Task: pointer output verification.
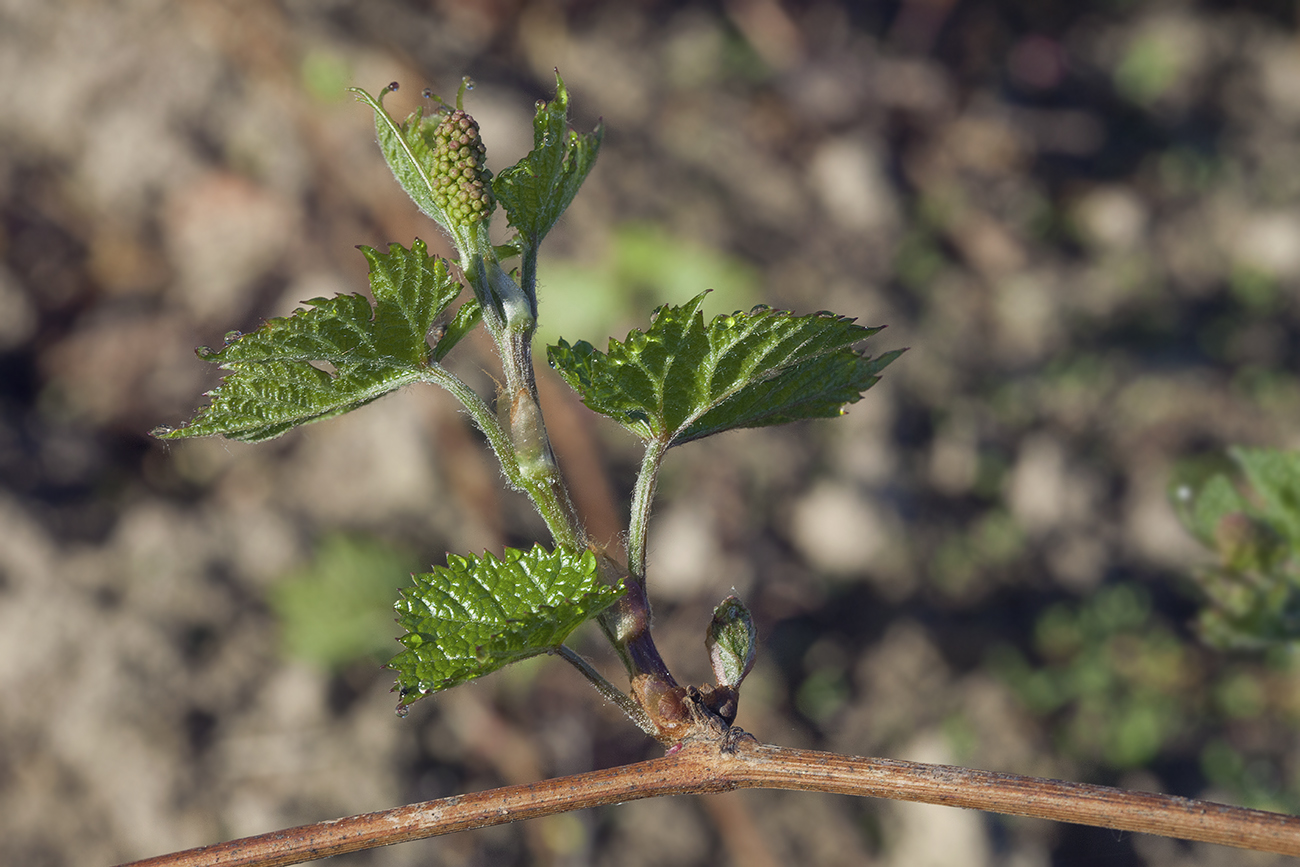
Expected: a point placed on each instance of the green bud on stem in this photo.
(731, 642)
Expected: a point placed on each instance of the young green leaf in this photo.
(536, 190)
(1275, 475)
(478, 614)
(275, 383)
(682, 379)
(468, 316)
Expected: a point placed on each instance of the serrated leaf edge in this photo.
(637, 423)
(466, 566)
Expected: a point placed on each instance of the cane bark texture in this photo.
(737, 761)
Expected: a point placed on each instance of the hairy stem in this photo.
(528, 273)
(626, 624)
(642, 498)
(607, 689)
(484, 419)
(510, 316)
(532, 446)
(518, 434)
(547, 491)
(727, 762)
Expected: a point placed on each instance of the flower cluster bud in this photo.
(460, 173)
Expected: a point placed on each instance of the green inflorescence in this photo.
(461, 179)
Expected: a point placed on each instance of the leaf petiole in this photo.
(647, 481)
(608, 690)
(483, 418)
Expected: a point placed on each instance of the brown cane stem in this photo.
(727, 762)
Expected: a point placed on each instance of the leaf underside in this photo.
(478, 614)
(683, 379)
(339, 355)
(409, 151)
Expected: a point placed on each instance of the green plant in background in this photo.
(1246, 512)
(1114, 676)
(1249, 517)
(642, 265)
(678, 379)
(339, 608)
(1256, 781)
(1118, 685)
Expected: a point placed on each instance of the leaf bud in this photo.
(731, 642)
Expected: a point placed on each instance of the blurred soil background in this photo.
(1084, 219)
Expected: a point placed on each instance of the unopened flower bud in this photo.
(462, 187)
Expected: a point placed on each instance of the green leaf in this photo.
(536, 190)
(468, 316)
(1275, 475)
(278, 379)
(479, 614)
(1202, 510)
(682, 379)
(408, 151)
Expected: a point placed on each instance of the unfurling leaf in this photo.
(683, 379)
(277, 381)
(478, 614)
(536, 190)
(439, 160)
